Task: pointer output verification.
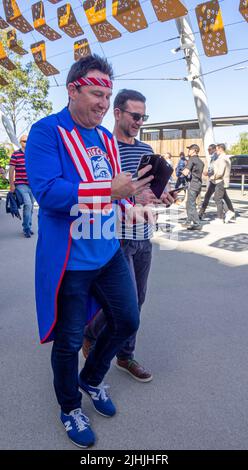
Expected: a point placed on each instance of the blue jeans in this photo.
(138, 254)
(28, 200)
(113, 287)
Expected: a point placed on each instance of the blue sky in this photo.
(166, 100)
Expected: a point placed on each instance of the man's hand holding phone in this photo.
(168, 198)
(146, 197)
(124, 185)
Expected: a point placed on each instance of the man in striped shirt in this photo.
(129, 112)
(18, 179)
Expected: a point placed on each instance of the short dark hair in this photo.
(85, 64)
(212, 146)
(222, 146)
(124, 95)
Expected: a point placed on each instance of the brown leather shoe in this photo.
(133, 368)
(86, 347)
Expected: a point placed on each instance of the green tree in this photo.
(4, 161)
(4, 157)
(241, 147)
(25, 98)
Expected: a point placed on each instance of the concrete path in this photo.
(227, 243)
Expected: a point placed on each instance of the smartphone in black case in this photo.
(175, 191)
(161, 170)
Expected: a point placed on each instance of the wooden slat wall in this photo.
(175, 146)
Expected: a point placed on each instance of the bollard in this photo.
(242, 184)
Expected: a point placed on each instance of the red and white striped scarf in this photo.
(96, 195)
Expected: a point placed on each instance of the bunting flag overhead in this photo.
(129, 14)
(4, 60)
(168, 9)
(39, 53)
(13, 44)
(211, 27)
(14, 16)
(40, 25)
(81, 49)
(67, 21)
(97, 17)
(243, 8)
(3, 23)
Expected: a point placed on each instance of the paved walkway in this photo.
(193, 336)
(227, 243)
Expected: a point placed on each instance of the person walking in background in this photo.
(219, 175)
(181, 179)
(74, 170)
(130, 113)
(193, 171)
(221, 152)
(168, 158)
(18, 179)
(211, 186)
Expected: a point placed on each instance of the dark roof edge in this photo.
(187, 124)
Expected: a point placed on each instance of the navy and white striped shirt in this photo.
(130, 156)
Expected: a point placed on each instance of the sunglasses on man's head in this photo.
(136, 116)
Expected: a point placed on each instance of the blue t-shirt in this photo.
(93, 240)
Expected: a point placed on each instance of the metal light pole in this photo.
(197, 84)
(7, 126)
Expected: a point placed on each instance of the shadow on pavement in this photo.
(185, 235)
(238, 242)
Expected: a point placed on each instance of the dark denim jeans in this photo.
(181, 181)
(210, 191)
(228, 201)
(222, 193)
(28, 205)
(138, 254)
(218, 197)
(113, 287)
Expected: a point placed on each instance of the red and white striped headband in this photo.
(87, 81)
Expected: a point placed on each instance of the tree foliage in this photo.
(4, 157)
(25, 98)
(241, 147)
(4, 161)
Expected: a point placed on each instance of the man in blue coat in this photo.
(74, 171)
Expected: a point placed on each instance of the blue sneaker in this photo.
(78, 428)
(27, 233)
(101, 401)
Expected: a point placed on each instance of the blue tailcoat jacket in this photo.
(55, 183)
